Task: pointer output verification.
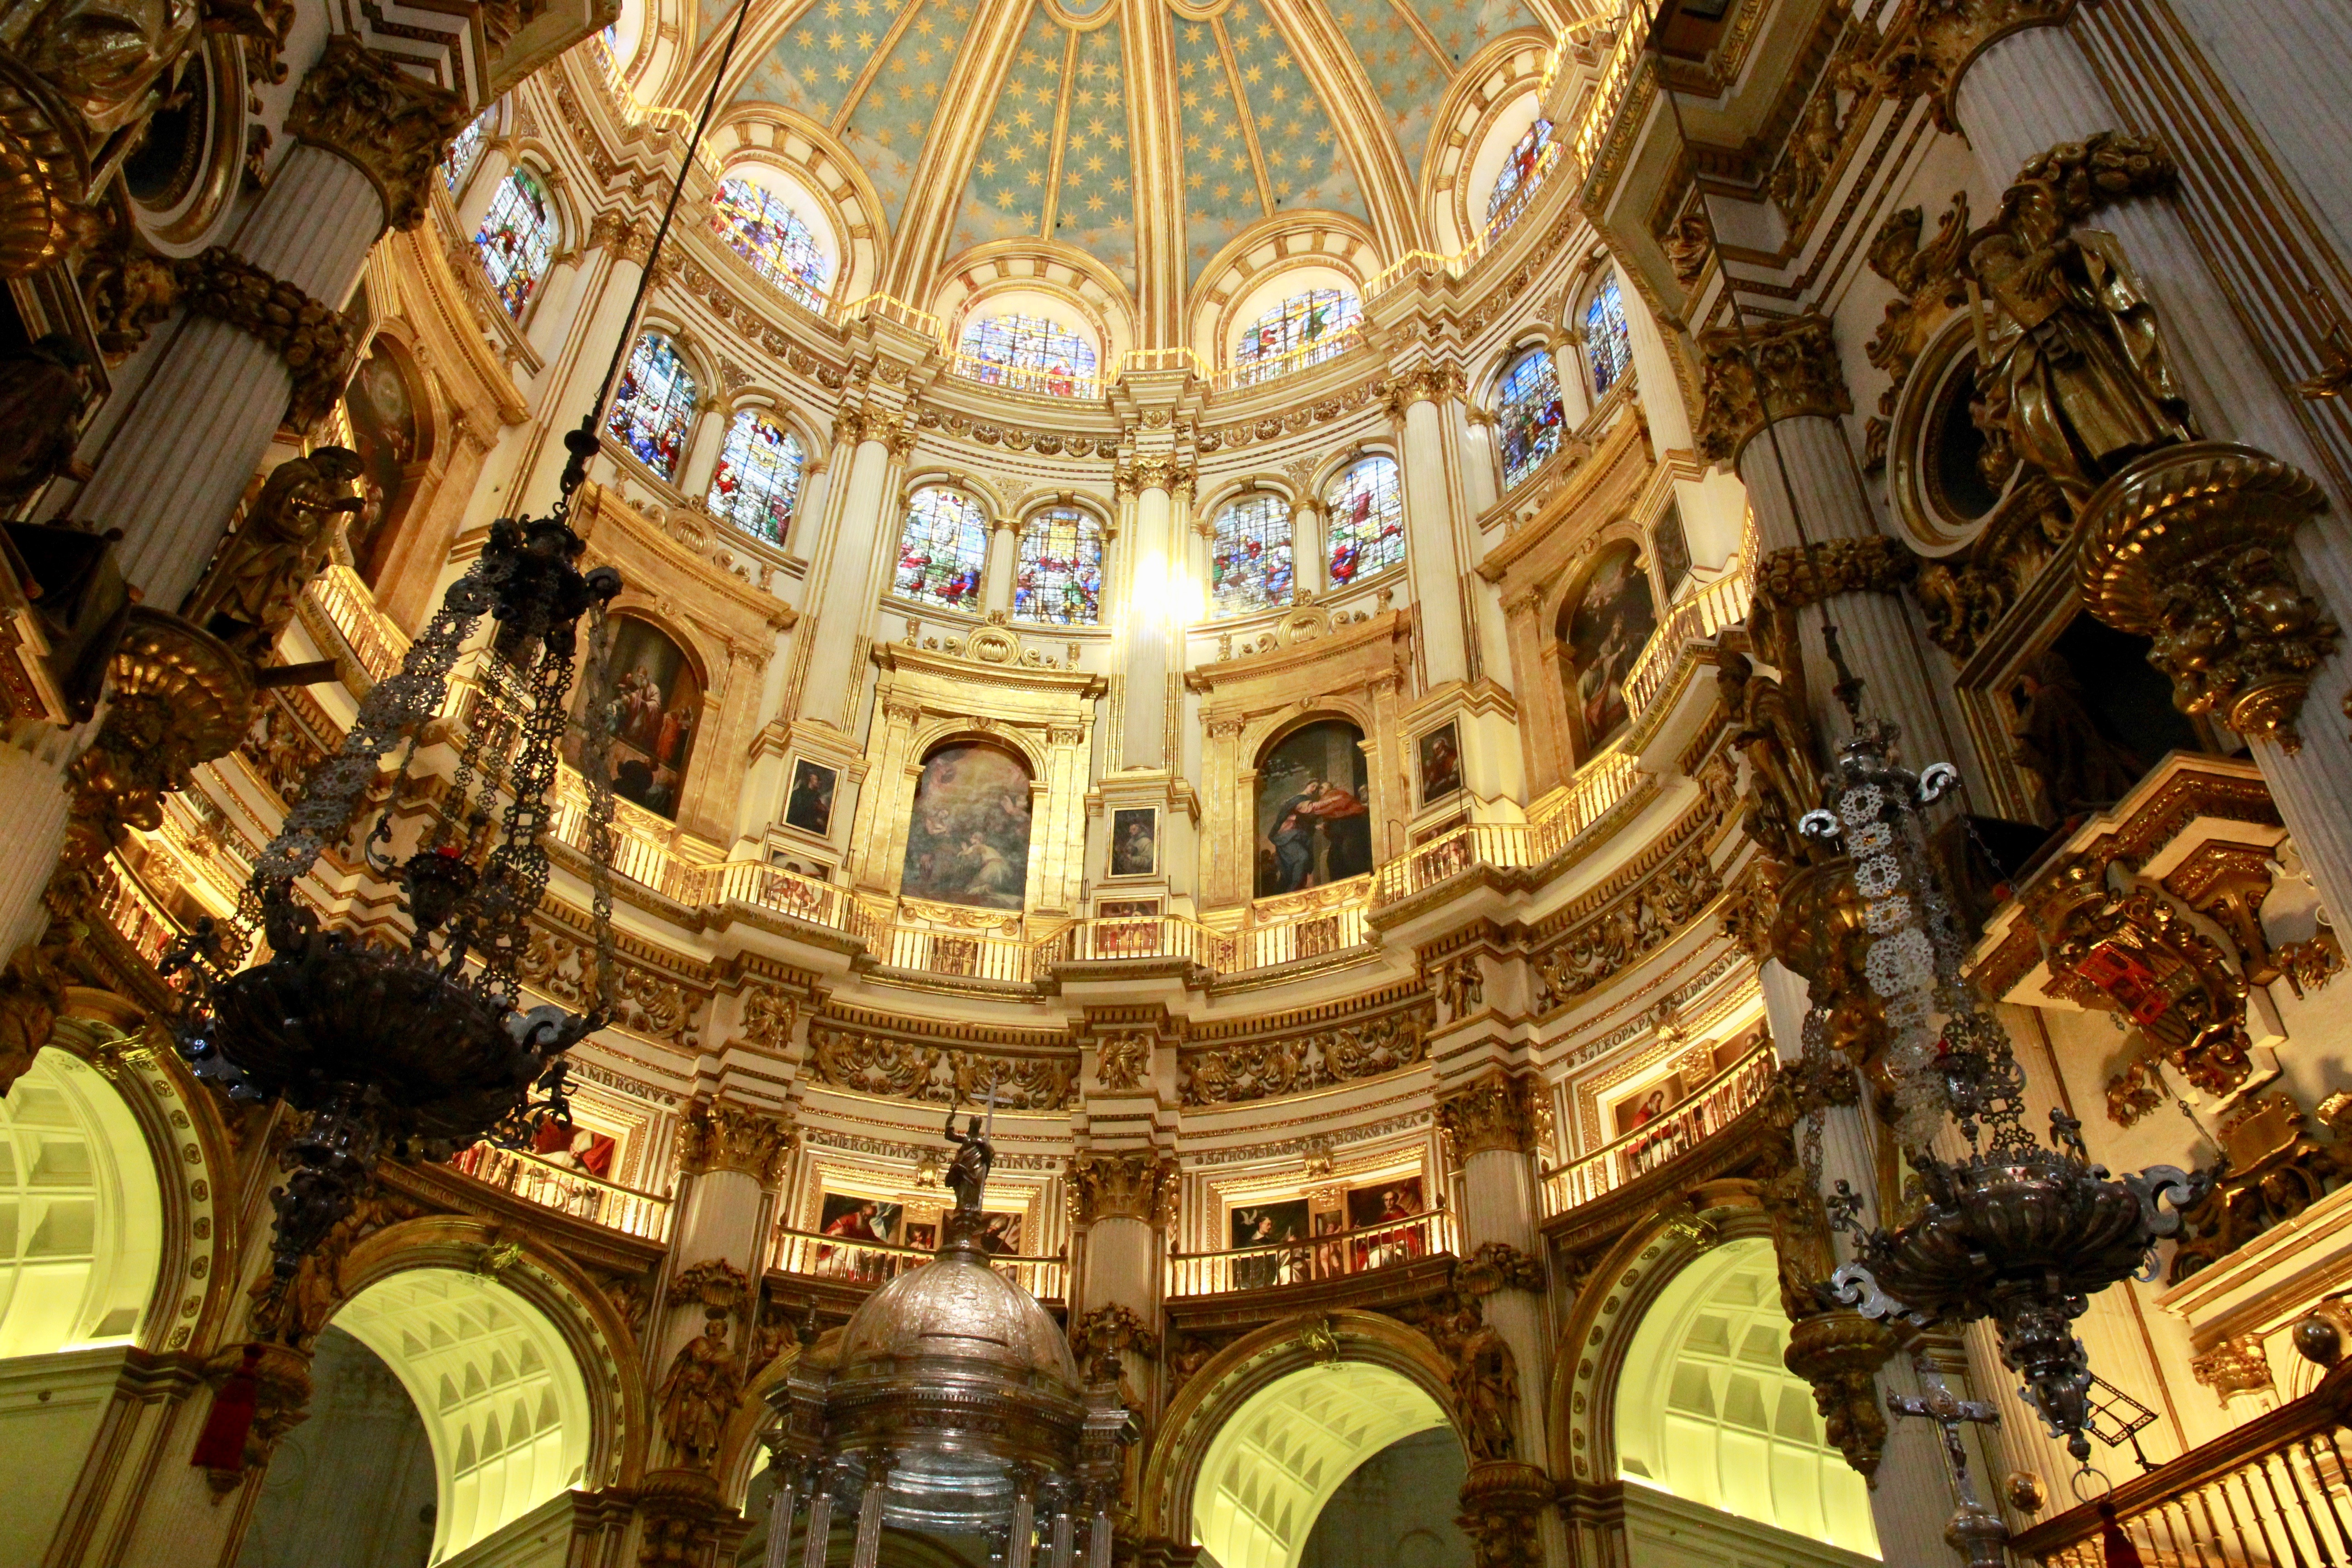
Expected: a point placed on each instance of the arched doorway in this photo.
(1280, 1458)
(1707, 1415)
(489, 1380)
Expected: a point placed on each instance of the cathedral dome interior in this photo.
(1597, 750)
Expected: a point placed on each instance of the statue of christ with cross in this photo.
(975, 1156)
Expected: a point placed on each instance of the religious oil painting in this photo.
(850, 1218)
(969, 840)
(1000, 1234)
(1134, 841)
(383, 433)
(1268, 1225)
(809, 806)
(1441, 763)
(1380, 1221)
(1611, 625)
(1314, 825)
(652, 720)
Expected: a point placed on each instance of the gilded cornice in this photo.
(1782, 369)
(1358, 654)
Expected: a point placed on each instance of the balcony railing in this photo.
(1697, 618)
(567, 1192)
(1297, 927)
(1152, 936)
(820, 1257)
(1335, 1255)
(1607, 782)
(951, 954)
(344, 600)
(1617, 80)
(2269, 1494)
(1044, 381)
(1273, 367)
(1718, 1102)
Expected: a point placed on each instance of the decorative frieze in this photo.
(1136, 1185)
(1316, 1058)
(903, 1069)
(645, 1001)
(1637, 922)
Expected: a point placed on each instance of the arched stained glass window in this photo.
(758, 477)
(1060, 576)
(654, 405)
(466, 150)
(517, 237)
(1366, 531)
(772, 238)
(1249, 561)
(943, 550)
(1028, 354)
(1530, 416)
(1305, 328)
(1522, 172)
(1608, 340)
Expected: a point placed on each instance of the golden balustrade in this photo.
(566, 1190)
(1274, 367)
(1695, 618)
(1302, 1260)
(1716, 1103)
(1041, 381)
(816, 1256)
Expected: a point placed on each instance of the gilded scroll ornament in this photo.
(391, 126)
(2191, 547)
(1121, 1060)
(2077, 383)
(1776, 370)
(2276, 1169)
(1927, 288)
(1963, 597)
(942, 1074)
(315, 342)
(1503, 1504)
(179, 698)
(1640, 920)
(1293, 1064)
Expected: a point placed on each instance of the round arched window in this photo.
(1060, 577)
(1028, 354)
(1249, 558)
(466, 149)
(1305, 328)
(1522, 172)
(654, 405)
(517, 238)
(758, 477)
(1530, 414)
(1365, 532)
(942, 549)
(779, 246)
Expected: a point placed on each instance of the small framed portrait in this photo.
(1135, 841)
(1441, 764)
(809, 807)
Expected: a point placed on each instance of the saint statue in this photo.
(975, 1156)
(1486, 1393)
(2081, 386)
(248, 596)
(699, 1393)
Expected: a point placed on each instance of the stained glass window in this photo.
(772, 238)
(1366, 531)
(759, 476)
(1608, 340)
(459, 162)
(654, 405)
(1530, 416)
(1060, 577)
(1522, 170)
(1029, 353)
(1305, 328)
(943, 550)
(1249, 560)
(518, 235)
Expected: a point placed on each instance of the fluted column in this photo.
(1124, 1202)
(996, 580)
(2019, 97)
(861, 530)
(1433, 554)
(1819, 541)
(174, 467)
(481, 187)
(730, 1157)
(1152, 614)
(1310, 556)
(1490, 1125)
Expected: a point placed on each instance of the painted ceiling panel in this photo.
(895, 105)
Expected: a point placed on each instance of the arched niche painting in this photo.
(382, 413)
(653, 719)
(1314, 825)
(1607, 629)
(968, 842)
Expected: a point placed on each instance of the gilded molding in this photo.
(129, 291)
(917, 1069)
(1136, 475)
(1135, 1184)
(393, 127)
(1929, 46)
(1639, 920)
(2192, 546)
(1438, 383)
(1503, 1504)
(1794, 360)
(721, 1135)
(1494, 1114)
(1293, 1064)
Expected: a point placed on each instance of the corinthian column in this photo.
(1819, 540)
(1124, 1204)
(1150, 615)
(856, 533)
(730, 1158)
(262, 339)
(1490, 1127)
(1433, 498)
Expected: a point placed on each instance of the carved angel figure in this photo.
(1486, 1393)
(2082, 385)
(699, 1393)
(248, 596)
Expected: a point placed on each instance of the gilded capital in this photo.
(2192, 546)
(1494, 1114)
(721, 1135)
(394, 127)
(1777, 370)
(1138, 1184)
(1140, 474)
(1424, 384)
(1930, 44)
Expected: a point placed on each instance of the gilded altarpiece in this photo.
(1541, 568)
(1318, 669)
(989, 690)
(727, 626)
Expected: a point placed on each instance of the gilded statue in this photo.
(1771, 733)
(45, 389)
(700, 1393)
(248, 596)
(1486, 1393)
(103, 57)
(2082, 385)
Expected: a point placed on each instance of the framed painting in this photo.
(809, 806)
(1134, 841)
(1441, 763)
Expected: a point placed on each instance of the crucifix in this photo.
(1975, 1532)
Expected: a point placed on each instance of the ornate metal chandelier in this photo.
(422, 1051)
(2013, 1230)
